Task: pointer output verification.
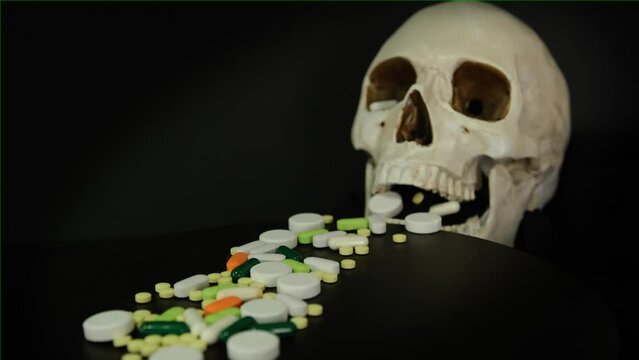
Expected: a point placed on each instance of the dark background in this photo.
(124, 120)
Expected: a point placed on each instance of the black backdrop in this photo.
(138, 119)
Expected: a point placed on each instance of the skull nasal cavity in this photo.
(415, 125)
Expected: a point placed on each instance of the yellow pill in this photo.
(206, 302)
(348, 264)
(315, 309)
(199, 344)
(171, 339)
(187, 338)
(233, 250)
(399, 238)
(153, 339)
(269, 295)
(361, 249)
(134, 345)
(179, 318)
(257, 284)
(418, 198)
(151, 317)
(195, 295)
(364, 232)
(121, 341)
(130, 356)
(328, 219)
(319, 274)
(162, 285)
(213, 277)
(143, 297)
(225, 280)
(148, 349)
(139, 315)
(300, 322)
(225, 274)
(329, 278)
(245, 281)
(166, 293)
(346, 250)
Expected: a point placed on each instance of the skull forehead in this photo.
(481, 31)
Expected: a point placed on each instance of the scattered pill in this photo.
(134, 345)
(205, 302)
(269, 295)
(328, 219)
(296, 307)
(319, 274)
(196, 282)
(284, 328)
(341, 241)
(306, 237)
(443, 209)
(215, 317)
(121, 341)
(139, 315)
(346, 250)
(171, 339)
(243, 270)
(233, 250)
(213, 277)
(364, 232)
(297, 266)
(387, 204)
(267, 257)
(249, 246)
(265, 248)
(290, 253)
(163, 327)
(300, 285)
(382, 105)
(253, 345)
(418, 198)
(151, 317)
(225, 280)
(221, 304)
(377, 224)
(187, 338)
(265, 311)
(166, 293)
(211, 292)
(268, 273)
(225, 273)
(199, 345)
(315, 309)
(244, 281)
(177, 352)
(147, 349)
(171, 313)
(348, 264)
(242, 324)
(161, 285)
(131, 356)
(329, 278)
(236, 260)
(106, 325)
(305, 221)
(193, 318)
(423, 223)
(321, 240)
(153, 339)
(143, 297)
(195, 295)
(323, 265)
(300, 322)
(244, 293)
(399, 238)
(258, 284)
(352, 224)
(211, 333)
(361, 250)
(280, 237)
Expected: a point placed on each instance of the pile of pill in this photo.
(238, 307)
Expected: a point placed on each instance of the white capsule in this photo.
(196, 282)
(377, 224)
(443, 209)
(193, 318)
(212, 332)
(321, 240)
(323, 265)
(296, 307)
(267, 257)
(244, 293)
(347, 240)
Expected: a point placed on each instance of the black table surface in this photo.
(442, 295)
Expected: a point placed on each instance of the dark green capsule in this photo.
(163, 328)
(279, 329)
(244, 323)
(290, 253)
(244, 270)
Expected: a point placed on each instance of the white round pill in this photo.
(280, 237)
(387, 204)
(268, 272)
(265, 311)
(177, 352)
(377, 224)
(305, 221)
(253, 345)
(300, 285)
(106, 325)
(423, 223)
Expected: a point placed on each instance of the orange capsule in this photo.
(225, 303)
(236, 260)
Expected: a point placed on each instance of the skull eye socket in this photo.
(480, 91)
(390, 81)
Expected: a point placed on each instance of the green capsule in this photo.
(280, 329)
(290, 253)
(210, 293)
(171, 314)
(244, 323)
(352, 224)
(211, 319)
(306, 237)
(297, 266)
(163, 328)
(244, 270)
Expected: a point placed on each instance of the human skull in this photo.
(461, 90)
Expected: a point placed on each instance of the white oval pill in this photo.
(248, 246)
(387, 204)
(377, 224)
(305, 221)
(265, 248)
(106, 325)
(443, 209)
(323, 265)
(267, 257)
(211, 333)
(347, 240)
(321, 240)
(244, 293)
(196, 282)
(299, 285)
(296, 307)
(177, 352)
(267, 273)
(253, 345)
(265, 311)
(280, 237)
(423, 223)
